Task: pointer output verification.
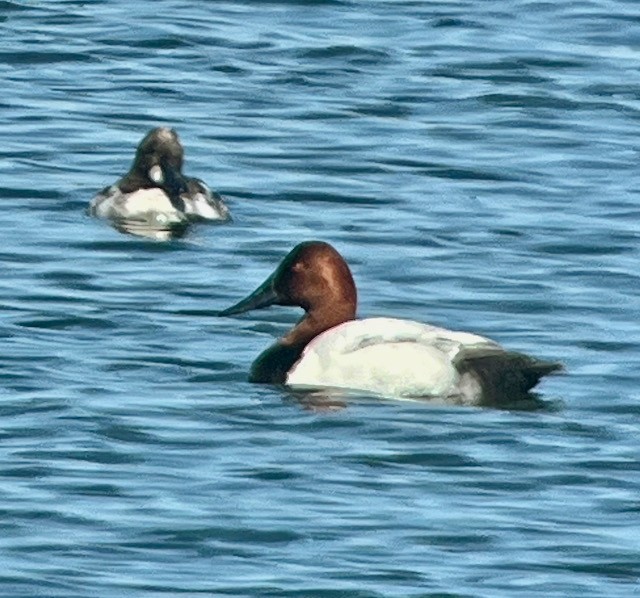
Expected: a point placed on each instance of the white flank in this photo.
(202, 205)
(151, 206)
(198, 205)
(389, 357)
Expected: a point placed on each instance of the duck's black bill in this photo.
(263, 296)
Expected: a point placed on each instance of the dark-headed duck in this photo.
(391, 357)
(155, 193)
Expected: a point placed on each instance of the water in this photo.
(477, 165)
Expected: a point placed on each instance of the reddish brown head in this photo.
(313, 276)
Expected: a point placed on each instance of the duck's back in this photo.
(403, 358)
(386, 356)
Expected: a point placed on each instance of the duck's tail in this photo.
(504, 376)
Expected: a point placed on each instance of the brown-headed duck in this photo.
(330, 348)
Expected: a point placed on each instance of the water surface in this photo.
(477, 165)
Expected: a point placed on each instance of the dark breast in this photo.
(273, 364)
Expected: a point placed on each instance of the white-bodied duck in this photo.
(391, 357)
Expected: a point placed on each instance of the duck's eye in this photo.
(156, 174)
(298, 267)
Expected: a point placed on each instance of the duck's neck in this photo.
(315, 322)
(273, 364)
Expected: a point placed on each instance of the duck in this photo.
(390, 357)
(155, 194)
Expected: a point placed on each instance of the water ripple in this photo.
(475, 174)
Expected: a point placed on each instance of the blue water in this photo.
(477, 165)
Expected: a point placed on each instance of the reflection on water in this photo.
(335, 399)
(150, 229)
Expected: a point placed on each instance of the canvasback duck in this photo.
(154, 194)
(391, 357)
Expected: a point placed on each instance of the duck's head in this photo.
(313, 276)
(159, 159)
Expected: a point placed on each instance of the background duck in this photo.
(155, 198)
(392, 357)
